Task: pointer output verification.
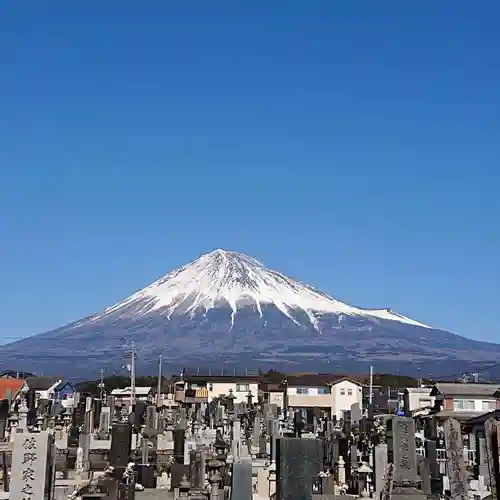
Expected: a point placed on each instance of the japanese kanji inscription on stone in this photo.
(29, 466)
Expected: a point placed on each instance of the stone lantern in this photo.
(249, 398)
(230, 401)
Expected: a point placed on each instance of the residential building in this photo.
(201, 388)
(345, 392)
(11, 388)
(334, 394)
(123, 396)
(15, 374)
(417, 398)
(44, 387)
(465, 401)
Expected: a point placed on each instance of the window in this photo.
(323, 390)
(342, 392)
(463, 404)
(302, 390)
(489, 405)
(349, 392)
(242, 387)
(424, 402)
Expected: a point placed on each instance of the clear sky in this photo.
(352, 145)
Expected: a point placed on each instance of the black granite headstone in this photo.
(78, 414)
(177, 471)
(179, 443)
(121, 443)
(298, 461)
(146, 475)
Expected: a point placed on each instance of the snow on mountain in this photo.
(225, 277)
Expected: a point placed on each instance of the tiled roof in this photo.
(449, 389)
(13, 384)
(42, 383)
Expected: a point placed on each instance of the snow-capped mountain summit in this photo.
(227, 309)
(235, 279)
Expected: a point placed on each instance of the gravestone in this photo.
(491, 454)
(121, 443)
(236, 442)
(455, 460)
(241, 484)
(177, 472)
(31, 474)
(402, 453)
(151, 417)
(355, 413)
(380, 467)
(179, 444)
(104, 421)
(197, 469)
(298, 462)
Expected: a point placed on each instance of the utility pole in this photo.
(132, 378)
(371, 385)
(101, 386)
(158, 390)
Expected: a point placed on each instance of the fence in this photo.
(469, 458)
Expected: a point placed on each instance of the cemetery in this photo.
(180, 443)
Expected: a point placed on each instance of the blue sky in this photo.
(353, 145)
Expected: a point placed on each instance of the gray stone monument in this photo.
(491, 441)
(30, 474)
(380, 467)
(402, 453)
(355, 413)
(455, 460)
(298, 462)
(241, 484)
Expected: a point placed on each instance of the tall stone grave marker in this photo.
(492, 454)
(455, 460)
(121, 443)
(355, 413)
(402, 453)
(31, 473)
(241, 484)
(298, 462)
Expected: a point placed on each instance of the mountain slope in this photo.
(228, 308)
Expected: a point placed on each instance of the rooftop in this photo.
(457, 389)
(15, 385)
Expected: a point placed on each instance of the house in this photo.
(15, 374)
(123, 396)
(417, 398)
(64, 392)
(271, 392)
(11, 388)
(44, 387)
(465, 401)
(334, 394)
(345, 392)
(204, 388)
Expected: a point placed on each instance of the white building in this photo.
(210, 387)
(417, 398)
(329, 393)
(123, 396)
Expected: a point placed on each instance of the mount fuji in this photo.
(227, 309)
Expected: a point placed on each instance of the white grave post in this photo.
(30, 477)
